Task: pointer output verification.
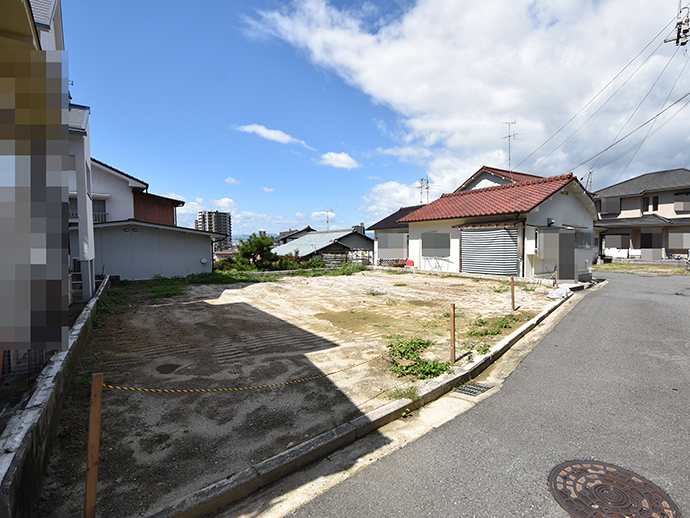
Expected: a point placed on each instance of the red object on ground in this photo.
(409, 262)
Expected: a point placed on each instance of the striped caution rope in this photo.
(180, 391)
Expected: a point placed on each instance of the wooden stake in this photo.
(512, 293)
(556, 272)
(452, 333)
(94, 442)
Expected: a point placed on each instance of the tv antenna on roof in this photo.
(510, 137)
(328, 216)
(682, 26)
(423, 184)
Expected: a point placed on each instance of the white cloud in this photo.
(453, 87)
(243, 221)
(373, 177)
(232, 181)
(268, 189)
(226, 205)
(275, 135)
(386, 198)
(299, 215)
(321, 215)
(340, 160)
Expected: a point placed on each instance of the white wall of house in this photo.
(136, 252)
(449, 263)
(565, 210)
(487, 180)
(120, 204)
(378, 234)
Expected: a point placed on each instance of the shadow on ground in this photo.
(159, 447)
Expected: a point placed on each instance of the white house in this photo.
(134, 233)
(523, 229)
(391, 238)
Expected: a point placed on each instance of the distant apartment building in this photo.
(218, 222)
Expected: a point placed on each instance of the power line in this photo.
(596, 96)
(598, 109)
(641, 102)
(640, 127)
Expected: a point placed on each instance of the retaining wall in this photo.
(26, 441)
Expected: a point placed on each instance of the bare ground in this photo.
(156, 447)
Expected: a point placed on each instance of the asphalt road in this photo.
(610, 383)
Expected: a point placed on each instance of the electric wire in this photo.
(639, 105)
(652, 126)
(598, 109)
(639, 127)
(638, 144)
(598, 94)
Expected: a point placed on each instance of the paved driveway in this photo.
(610, 383)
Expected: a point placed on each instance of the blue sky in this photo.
(278, 111)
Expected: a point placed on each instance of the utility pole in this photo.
(682, 27)
(510, 137)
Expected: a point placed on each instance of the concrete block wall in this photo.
(26, 441)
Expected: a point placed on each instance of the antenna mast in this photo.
(423, 184)
(328, 216)
(510, 137)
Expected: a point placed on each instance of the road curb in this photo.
(238, 485)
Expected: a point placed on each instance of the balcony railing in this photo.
(98, 217)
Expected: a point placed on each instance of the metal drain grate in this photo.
(472, 390)
(589, 489)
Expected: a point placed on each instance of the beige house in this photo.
(646, 217)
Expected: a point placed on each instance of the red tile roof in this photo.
(502, 199)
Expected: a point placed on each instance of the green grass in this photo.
(653, 269)
(400, 284)
(493, 327)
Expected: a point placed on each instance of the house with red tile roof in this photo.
(526, 228)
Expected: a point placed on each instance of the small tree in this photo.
(256, 250)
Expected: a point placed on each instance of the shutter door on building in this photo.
(491, 252)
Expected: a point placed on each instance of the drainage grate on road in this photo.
(589, 489)
(472, 389)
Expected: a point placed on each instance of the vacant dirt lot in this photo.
(157, 447)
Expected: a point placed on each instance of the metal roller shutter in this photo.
(491, 252)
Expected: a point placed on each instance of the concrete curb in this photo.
(25, 441)
(239, 485)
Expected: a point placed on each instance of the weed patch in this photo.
(492, 328)
(501, 288)
(404, 393)
(420, 368)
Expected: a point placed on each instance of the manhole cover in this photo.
(472, 390)
(597, 490)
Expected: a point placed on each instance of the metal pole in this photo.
(94, 441)
(452, 333)
(512, 293)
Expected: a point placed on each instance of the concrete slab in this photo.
(443, 410)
